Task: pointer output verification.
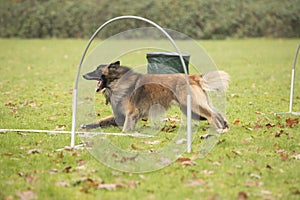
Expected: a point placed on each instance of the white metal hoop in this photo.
(74, 103)
(292, 86)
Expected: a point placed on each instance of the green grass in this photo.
(257, 157)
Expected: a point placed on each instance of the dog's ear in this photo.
(114, 65)
(117, 63)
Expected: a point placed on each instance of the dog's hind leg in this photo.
(102, 123)
(201, 108)
(213, 116)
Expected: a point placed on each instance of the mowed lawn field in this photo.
(259, 158)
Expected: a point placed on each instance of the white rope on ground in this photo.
(83, 133)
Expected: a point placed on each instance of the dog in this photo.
(132, 94)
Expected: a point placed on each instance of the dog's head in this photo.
(105, 74)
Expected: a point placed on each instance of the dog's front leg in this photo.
(130, 122)
(105, 122)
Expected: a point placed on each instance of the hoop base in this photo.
(291, 113)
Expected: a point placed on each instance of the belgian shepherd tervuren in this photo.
(132, 94)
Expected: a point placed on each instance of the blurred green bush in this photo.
(199, 19)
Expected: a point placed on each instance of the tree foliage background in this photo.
(199, 19)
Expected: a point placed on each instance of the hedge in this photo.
(199, 19)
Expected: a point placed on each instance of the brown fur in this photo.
(132, 95)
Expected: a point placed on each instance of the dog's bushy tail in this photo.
(215, 80)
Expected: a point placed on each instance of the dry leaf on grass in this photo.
(60, 127)
(236, 152)
(135, 147)
(34, 151)
(67, 169)
(186, 161)
(236, 121)
(255, 176)
(206, 171)
(27, 195)
(296, 156)
(195, 182)
(152, 142)
(250, 183)
(242, 196)
(110, 186)
(63, 184)
(290, 122)
(31, 179)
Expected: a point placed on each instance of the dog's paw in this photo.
(89, 126)
(83, 126)
(224, 130)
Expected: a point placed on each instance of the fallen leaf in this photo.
(244, 141)
(236, 122)
(131, 158)
(81, 167)
(9, 103)
(195, 182)
(142, 177)
(236, 152)
(216, 163)
(62, 184)
(262, 114)
(14, 110)
(25, 103)
(242, 196)
(208, 172)
(76, 154)
(8, 154)
(67, 169)
(296, 156)
(27, 195)
(279, 133)
(268, 126)
(238, 166)
(51, 118)
(60, 154)
(152, 142)
(21, 174)
(31, 179)
(255, 176)
(132, 184)
(185, 161)
(284, 156)
(22, 134)
(266, 193)
(257, 126)
(34, 151)
(110, 186)
(60, 127)
(135, 147)
(290, 122)
(269, 167)
(81, 162)
(32, 104)
(52, 171)
(250, 183)
(280, 151)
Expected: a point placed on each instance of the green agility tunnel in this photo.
(166, 62)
